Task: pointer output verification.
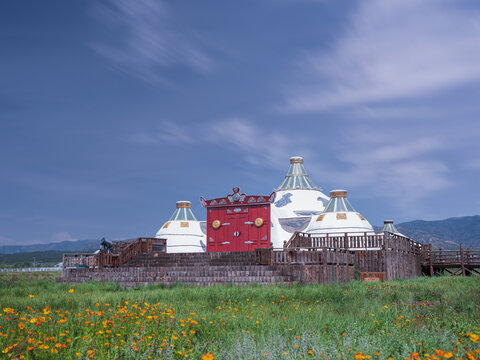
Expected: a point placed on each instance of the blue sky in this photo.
(110, 111)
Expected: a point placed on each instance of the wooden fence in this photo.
(395, 255)
(323, 256)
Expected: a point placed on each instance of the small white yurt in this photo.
(339, 216)
(297, 202)
(390, 227)
(183, 231)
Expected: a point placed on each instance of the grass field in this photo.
(422, 318)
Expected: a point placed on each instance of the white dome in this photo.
(297, 202)
(183, 231)
(339, 216)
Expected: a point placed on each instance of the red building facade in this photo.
(238, 222)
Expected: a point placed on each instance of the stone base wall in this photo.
(209, 269)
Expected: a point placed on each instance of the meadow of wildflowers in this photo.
(422, 318)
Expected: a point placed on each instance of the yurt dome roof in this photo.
(297, 177)
(183, 212)
(338, 202)
(390, 227)
(339, 216)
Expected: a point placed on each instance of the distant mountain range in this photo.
(65, 246)
(445, 234)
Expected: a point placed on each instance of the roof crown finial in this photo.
(338, 193)
(296, 159)
(184, 204)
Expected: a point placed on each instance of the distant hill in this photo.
(64, 246)
(445, 234)
(26, 259)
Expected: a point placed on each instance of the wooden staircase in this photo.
(188, 268)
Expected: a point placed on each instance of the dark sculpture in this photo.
(106, 245)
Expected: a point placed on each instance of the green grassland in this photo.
(422, 318)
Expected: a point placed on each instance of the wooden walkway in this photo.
(462, 262)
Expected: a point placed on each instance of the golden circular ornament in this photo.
(216, 224)
(258, 222)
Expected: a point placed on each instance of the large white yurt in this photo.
(339, 216)
(183, 231)
(297, 202)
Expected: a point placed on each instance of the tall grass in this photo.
(426, 317)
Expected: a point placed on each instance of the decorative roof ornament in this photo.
(236, 196)
(297, 177)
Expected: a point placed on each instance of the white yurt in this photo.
(297, 202)
(339, 216)
(183, 231)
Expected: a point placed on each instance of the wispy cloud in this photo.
(404, 168)
(392, 50)
(149, 40)
(472, 165)
(166, 131)
(258, 146)
(392, 164)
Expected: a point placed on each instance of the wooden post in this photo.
(63, 266)
(324, 265)
(431, 259)
(387, 257)
(462, 260)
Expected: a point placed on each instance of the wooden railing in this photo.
(464, 260)
(124, 252)
(141, 246)
(402, 243)
(353, 241)
(80, 260)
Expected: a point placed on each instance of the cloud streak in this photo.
(392, 50)
(167, 131)
(148, 41)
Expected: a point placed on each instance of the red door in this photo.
(236, 232)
